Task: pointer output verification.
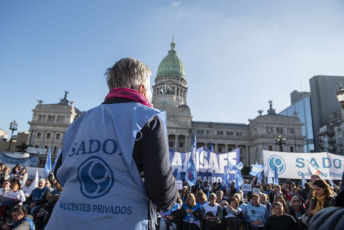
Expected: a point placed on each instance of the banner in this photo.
(22, 161)
(292, 165)
(210, 166)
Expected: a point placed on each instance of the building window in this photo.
(269, 130)
(46, 147)
(220, 149)
(230, 133)
(270, 148)
(38, 135)
(291, 149)
(181, 144)
(60, 118)
(171, 144)
(291, 131)
(279, 130)
(58, 136)
(219, 133)
(239, 134)
(48, 135)
(200, 131)
(36, 146)
(51, 118)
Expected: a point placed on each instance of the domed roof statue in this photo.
(171, 65)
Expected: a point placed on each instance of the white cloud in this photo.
(175, 4)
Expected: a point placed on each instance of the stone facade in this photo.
(49, 124)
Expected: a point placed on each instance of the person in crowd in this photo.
(212, 214)
(219, 198)
(26, 188)
(45, 210)
(296, 208)
(206, 187)
(288, 195)
(220, 187)
(280, 220)
(15, 172)
(170, 220)
(233, 188)
(277, 192)
(2, 172)
(308, 201)
(6, 186)
(267, 189)
(191, 214)
(297, 192)
(213, 187)
(13, 196)
(48, 186)
(20, 220)
(184, 193)
(305, 191)
(264, 201)
(201, 197)
(281, 199)
(23, 175)
(126, 140)
(256, 213)
(322, 198)
(227, 195)
(37, 198)
(234, 219)
(7, 175)
(242, 205)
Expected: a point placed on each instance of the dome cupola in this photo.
(171, 65)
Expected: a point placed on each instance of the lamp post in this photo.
(13, 127)
(340, 95)
(280, 140)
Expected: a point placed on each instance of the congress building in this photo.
(50, 121)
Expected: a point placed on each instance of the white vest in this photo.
(102, 187)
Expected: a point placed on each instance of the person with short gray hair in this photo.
(114, 166)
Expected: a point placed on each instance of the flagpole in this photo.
(322, 174)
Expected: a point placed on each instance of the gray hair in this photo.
(212, 196)
(128, 73)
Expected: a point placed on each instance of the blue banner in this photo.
(31, 161)
(210, 166)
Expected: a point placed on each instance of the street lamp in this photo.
(280, 140)
(340, 95)
(13, 127)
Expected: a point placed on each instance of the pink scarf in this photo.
(129, 94)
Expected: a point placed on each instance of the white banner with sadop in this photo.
(293, 165)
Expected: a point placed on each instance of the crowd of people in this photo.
(208, 206)
(213, 206)
(23, 206)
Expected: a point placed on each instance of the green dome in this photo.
(171, 65)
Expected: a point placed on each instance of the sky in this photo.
(237, 55)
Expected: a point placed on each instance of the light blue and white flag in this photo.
(238, 166)
(259, 178)
(191, 173)
(178, 173)
(276, 177)
(256, 169)
(303, 180)
(57, 157)
(226, 177)
(47, 167)
(211, 146)
(332, 184)
(270, 181)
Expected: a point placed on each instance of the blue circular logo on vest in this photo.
(95, 177)
(278, 163)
